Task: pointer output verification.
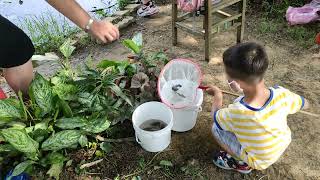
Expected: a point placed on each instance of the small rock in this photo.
(215, 60)
(121, 13)
(132, 7)
(125, 22)
(111, 19)
(134, 2)
(51, 56)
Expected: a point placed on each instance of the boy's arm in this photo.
(221, 117)
(217, 98)
(102, 30)
(295, 102)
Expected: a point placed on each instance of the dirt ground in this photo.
(191, 152)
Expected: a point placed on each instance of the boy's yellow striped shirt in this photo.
(262, 132)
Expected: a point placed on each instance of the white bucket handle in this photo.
(137, 139)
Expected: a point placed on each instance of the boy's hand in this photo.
(104, 31)
(214, 91)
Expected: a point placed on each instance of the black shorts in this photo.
(16, 47)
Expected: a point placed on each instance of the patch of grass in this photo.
(272, 21)
(275, 9)
(46, 33)
(193, 172)
(123, 3)
(267, 26)
(304, 36)
(301, 35)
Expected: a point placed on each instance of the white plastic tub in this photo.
(185, 119)
(153, 141)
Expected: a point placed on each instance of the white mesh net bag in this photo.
(178, 83)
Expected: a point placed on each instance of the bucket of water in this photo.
(185, 119)
(152, 122)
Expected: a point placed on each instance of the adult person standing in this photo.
(16, 48)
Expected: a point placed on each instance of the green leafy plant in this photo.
(72, 108)
(122, 4)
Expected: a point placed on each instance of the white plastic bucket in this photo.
(153, 141)
(185, 119)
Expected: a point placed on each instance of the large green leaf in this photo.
(131, 70)
(17, 125)
(64, 90)
(32, 156)
(20, 140)
(55, 158)
(117, 90)
(106, 147)
(55, 170)
(64, 106)
(10, 109)
(39, 135)
(41, 94)
(6, 148)
(132, 46)
(66, 48)
(71, 123)
(40, 131)
(20, 168)
(121, 67)
(107, 63)
(97, 126)
(83, 140)
(42, 125)
(61, 140)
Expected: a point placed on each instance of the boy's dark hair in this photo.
(246, 61)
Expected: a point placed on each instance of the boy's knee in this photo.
(19, 77)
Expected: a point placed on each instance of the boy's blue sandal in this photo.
(225, 161)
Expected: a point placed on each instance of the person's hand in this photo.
(104, 31)
(214, 91)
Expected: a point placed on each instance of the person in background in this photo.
(16, 48)
(148, 8)
(252, 131)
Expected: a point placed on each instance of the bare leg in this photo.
(19, 77)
